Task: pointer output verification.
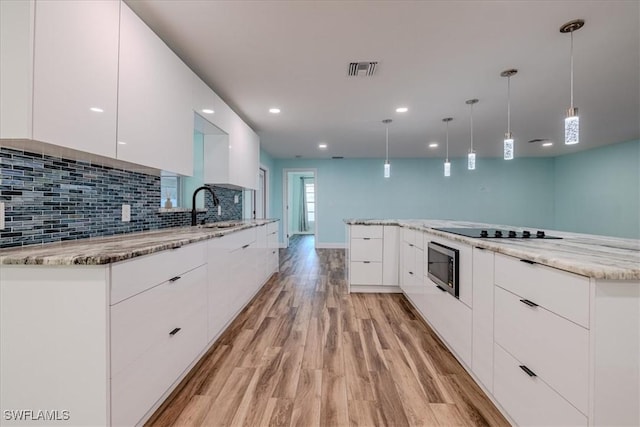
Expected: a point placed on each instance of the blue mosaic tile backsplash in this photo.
(51, 199)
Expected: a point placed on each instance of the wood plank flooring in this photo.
(306, 353)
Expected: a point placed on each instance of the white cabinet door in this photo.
(155, 108)
(16, 68)
(390, 255)
(482, 347)
(233, 159)
(528, 399)
(75, 77)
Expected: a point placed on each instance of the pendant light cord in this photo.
(471, 125)
(447, 141)
(509, 104)
(387, 158)
(571, 69)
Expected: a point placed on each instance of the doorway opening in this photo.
(300, 203)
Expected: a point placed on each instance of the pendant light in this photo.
(387, 165)
(572, 121)
(508, 137)
(471, 158)
(447, 164)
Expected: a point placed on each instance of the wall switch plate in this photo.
(219, 210)
(1, 216)
(236, 199)
(126, 213)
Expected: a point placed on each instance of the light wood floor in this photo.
(306, 353)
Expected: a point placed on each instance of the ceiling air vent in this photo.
(362, 69)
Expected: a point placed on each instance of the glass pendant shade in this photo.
(447, 168)
(387, 169)
(572, 127)
(508, 146)
(471, 161)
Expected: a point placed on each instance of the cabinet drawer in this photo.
(272, 227)
(141, 322)
(240, 238)
(272, 240)
(413, 238)
(371, 231)
(563, 293)
(366, 273)
(450, 317)
(133, 276)
(529, 400)
(366, 249)
(138, 387)
(556, 349)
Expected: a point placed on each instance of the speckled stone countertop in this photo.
(600, 257)
(106, 250)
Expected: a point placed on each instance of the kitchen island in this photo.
(100, 331)
(549, 328)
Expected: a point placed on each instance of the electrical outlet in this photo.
(1, 216)
(219, 210)
(236, 199)
(126, 213)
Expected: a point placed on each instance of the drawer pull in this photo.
(411, 272)
(367, 262)
(366, 238)
(176, 330)
(441, 288)
(528, 371)
(527, 261)
(273, 252)
(174, 279)
(410, 245)
(529, 303)
(245, 246)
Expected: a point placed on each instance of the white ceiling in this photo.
(433, 56)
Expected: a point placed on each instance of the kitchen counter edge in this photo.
(576, 253)
(120, 247)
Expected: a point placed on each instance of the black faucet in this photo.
(216, 202)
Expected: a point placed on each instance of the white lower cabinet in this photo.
(556, 349)
(373, 258)
(109, 342)
(528, 399)
(155, 336)
(483, 308)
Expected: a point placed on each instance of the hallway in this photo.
(306, 353)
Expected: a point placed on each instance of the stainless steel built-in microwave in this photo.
(442, 267)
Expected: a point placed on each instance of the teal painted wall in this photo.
(518, 192)
(598, 191)
(267, 161)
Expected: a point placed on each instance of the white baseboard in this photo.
(330, 245)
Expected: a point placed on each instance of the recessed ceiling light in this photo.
(274, 110)
(402, 110)
(547, 144)
(433, 145)
(208, 111)
(96, 110)
(322, 146)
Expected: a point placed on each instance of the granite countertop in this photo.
(106, 250)
(600, 257)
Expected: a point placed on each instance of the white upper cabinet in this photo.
(75, 77)
(155, 109)
(232, 154)
(60, 61)
(16, 68)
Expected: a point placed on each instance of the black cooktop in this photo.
(493, 233)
